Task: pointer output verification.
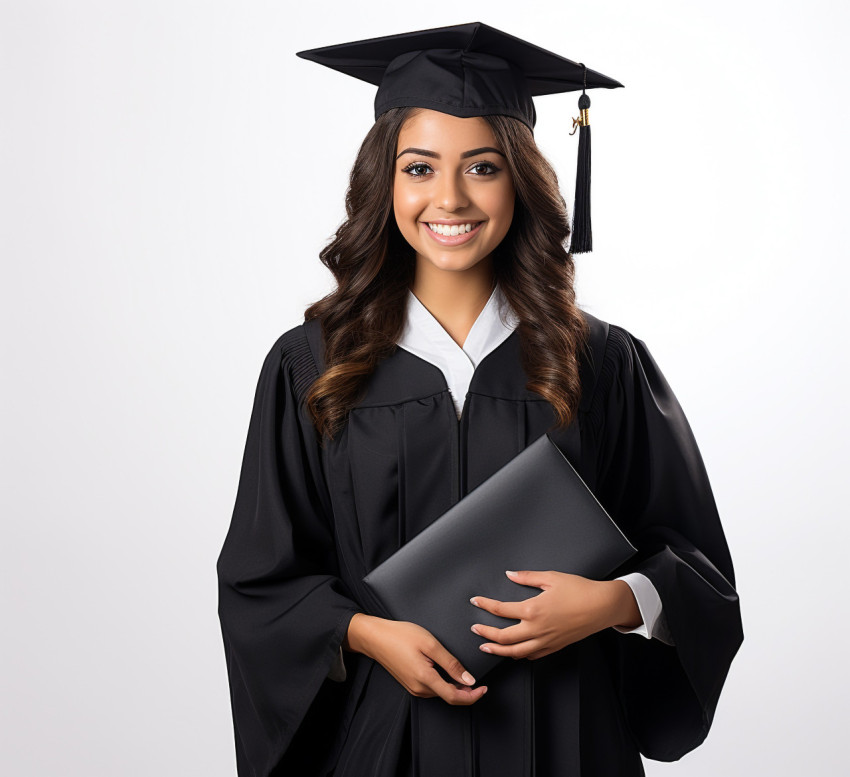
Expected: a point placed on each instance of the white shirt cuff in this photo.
(651, 610)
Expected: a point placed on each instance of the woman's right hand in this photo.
(409, 653)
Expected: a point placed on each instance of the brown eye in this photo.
(487, 166)
(415, 166)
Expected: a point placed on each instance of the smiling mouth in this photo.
(463, 232)
(451, 230)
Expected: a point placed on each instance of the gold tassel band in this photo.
(582, 121)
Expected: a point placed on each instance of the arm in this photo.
(652, 480)
(283, 608)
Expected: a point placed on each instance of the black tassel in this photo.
(582, 234)
(582, 239)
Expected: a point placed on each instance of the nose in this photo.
(450, 194)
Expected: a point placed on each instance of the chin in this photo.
(455, 263)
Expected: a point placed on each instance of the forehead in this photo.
(443, 132)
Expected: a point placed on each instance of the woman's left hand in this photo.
(569, 608)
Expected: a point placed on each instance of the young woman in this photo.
(451, 342)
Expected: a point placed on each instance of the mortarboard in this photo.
(473, 70)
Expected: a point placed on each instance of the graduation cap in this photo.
(473, 70)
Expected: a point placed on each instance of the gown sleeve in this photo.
(652, 480)
(284, 611)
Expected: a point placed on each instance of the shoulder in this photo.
(293, 354)
(611, 352)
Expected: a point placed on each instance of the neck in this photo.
(454, 298)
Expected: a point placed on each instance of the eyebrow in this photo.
(464, 155)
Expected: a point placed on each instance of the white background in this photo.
(169, 172)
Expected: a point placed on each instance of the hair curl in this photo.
(362, 319)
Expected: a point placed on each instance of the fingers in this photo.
(517, 641)
(509, 635)
(511, 610)
(517, 650)
(428, 683)
(533, 577)
(542, 579)
(509, 640)
(453, 667)
(454, 693)
(458, 692)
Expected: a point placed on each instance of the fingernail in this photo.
(485, 648)
(510, 572)
(474, 630)
(468, 678)
(472, 601)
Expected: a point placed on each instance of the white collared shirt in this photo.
(425, 336)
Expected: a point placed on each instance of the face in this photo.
(450, 174)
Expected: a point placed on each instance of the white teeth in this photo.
(454, 229)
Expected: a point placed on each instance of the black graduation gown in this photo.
(309, 524)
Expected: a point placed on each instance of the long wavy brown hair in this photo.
(362, 319)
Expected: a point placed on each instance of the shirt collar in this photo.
(424, 336)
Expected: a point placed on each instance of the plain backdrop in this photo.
(169, 171)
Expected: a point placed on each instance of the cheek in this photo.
(406, 212)
(502, 206)
(405, 201)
